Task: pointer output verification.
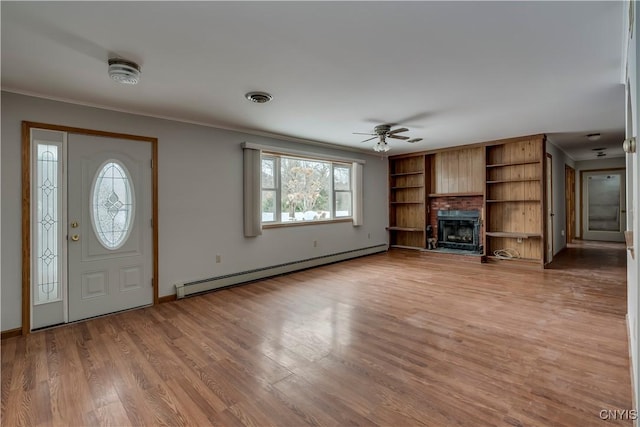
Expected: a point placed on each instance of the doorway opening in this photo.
(89, 223)
(570, 200)
(603, 205)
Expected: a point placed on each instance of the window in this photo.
(48, 241)
(112, 205)
(342, 191)
(299, 189)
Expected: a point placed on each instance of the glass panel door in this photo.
(603, 207)
(604, 202)
(48, 229)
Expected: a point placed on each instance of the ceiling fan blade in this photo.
(360, 133)
(370, 138)
(415, 140)
(416, 117)
(398, 137)
(397, 131)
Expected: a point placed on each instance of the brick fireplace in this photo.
(459, 230)
(455, 203)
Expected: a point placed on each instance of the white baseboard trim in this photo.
(633, 377)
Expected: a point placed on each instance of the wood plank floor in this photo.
(395, 339)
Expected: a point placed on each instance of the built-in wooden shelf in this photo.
(405, 229)
(515, 196)
(524, 261)
(524, 162)
(513, 234)
(407, 186)
(408, 181)
(405, 247)
(407, 173)
(513, 180)
(454, 194)
(513, 200)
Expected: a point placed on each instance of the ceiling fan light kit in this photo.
(123, 71)
(382, 132)
(381, 147)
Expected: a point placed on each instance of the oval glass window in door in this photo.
(112, 200)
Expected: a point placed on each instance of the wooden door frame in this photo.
(582, 172)
(548, 195)
(570, 210)
(27, 126)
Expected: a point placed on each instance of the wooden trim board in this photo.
(472, 145)
(548, 210)
(570, 202)
(167, 298)
(26, 228)
(10, 333)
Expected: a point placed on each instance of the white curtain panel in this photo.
(252, 192)
(357, 170)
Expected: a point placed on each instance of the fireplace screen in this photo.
(459, 230)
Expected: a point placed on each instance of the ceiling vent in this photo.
(123, 71)
(258, 97)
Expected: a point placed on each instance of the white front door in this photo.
(109, 230)
(604, 205)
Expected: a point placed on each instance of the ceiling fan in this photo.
(382, 132)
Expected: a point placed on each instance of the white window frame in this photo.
(276, 186)
(332, 191)
(349, 167)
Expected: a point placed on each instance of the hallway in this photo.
(596, 269)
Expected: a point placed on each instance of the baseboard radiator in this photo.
(186, 289)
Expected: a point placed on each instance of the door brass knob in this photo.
(75, 237)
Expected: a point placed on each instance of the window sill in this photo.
(298, 223)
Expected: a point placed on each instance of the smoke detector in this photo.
(123, 71)
(258, 97)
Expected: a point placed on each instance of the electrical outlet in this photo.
(562, 232)
(315, 243)
(218, 259)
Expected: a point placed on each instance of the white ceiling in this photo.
(453, 72)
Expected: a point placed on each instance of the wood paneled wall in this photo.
(459, 171)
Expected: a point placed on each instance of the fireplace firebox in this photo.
(459, 230)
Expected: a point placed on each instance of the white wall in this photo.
(587, 165)
(607, 163)
(200, 199)
(559, 159)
